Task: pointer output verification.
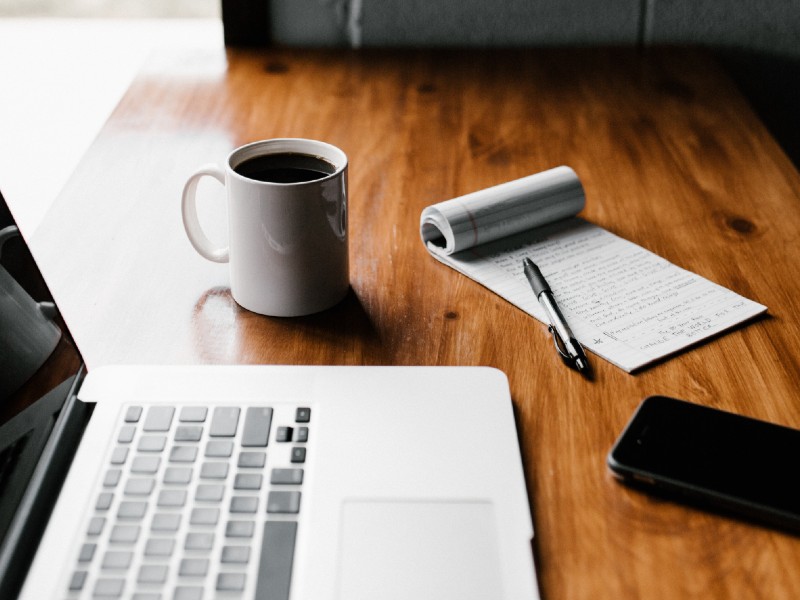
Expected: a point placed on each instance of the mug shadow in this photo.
(223, 332)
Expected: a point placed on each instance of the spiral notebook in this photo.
(623, 302)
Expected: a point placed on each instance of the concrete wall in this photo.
(763, 25)
(757, 40)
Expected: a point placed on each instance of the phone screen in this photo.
(737, 461)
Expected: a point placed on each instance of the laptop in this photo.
(268, 482)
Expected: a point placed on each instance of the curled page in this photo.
(501, 211)
(623, 302)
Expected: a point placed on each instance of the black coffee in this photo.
(285, 168)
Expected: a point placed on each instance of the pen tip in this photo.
(581, 364)
(528, 267)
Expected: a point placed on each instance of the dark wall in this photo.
(757, 41)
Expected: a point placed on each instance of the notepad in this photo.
(624, 303)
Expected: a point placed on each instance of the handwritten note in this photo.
(623, 302)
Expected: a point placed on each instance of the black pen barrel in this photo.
(535, 277)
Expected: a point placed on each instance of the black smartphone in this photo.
(713, 458)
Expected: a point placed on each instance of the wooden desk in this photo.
(671, 157)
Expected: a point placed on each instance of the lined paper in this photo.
(623, 302)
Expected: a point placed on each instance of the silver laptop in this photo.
(269, 482)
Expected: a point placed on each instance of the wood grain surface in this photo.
(671, 157)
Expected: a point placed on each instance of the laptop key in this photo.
(230, 582)
(172, 498)
(77, 581)
(159, 547)
(204, 516)
(244, 504)
(209, 492)
(239, 529)
(302, 415)
(129, 509)
(301, 435)
(145, 464)
(177, 475)
(193, 567)
(112, 477)
(199, 541)
(132, 414)
(165, 522)
(126, 434)
(235, 554)
(214, 470)
(224, 421)
(124, 534)
(283, 502)
(219, 449)
(152, 443)
(247, 481)
(298, 454)
(119, 455)
(188, 433)
(193, 414)
(87, 552)
(152, 574)
(96, 525)
(286, 476)
(183, 454)
(252, 460)
(275, 563)
(257, 421)
(115, 559)
(108, 588)
(139, 486)
(188, 592)
(283, 434)
(104, 501)
(159, 418)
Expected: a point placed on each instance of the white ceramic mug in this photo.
(287, 242)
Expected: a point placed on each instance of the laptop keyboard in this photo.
(196, 502)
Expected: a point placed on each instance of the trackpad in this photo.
(419, 550)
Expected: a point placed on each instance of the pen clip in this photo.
(578, 359)
(561, 348)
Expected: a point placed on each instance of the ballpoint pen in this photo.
(563, 338)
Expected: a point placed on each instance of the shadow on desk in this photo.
(226, 333)
(769, 82)
(708, 514)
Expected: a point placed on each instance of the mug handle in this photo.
(191, 223)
